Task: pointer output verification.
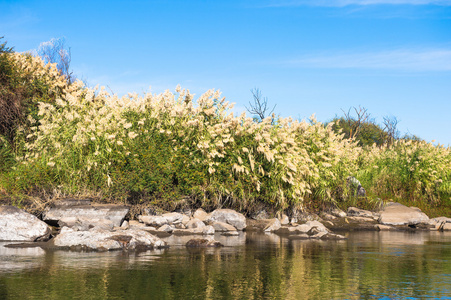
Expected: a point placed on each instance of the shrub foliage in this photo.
(170, 147)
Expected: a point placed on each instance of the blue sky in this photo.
(392, 57)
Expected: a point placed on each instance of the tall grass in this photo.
(170, 148)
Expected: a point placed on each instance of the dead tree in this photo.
(259, 107)
(54, 51)
(390, 127)
(355, 124)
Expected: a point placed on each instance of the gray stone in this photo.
(327, 216)
(195, 223)
(114, 213)
(398, 214)
(337, 213)
(18, 225)
(445, 227)
(166, 228)
(206, 230)
(357, 212)
(185, 220)
(284, 220)
(201, 214)
(440, 223)
(303, 228)
(384, 227)
(222, 227)
(173, 218)
(103, 240)
(84, 224)
(228, 216)
(125, 225)
(274, 224)
(156, 221)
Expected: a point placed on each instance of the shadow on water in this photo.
(250, 266)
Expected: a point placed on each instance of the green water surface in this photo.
(368, 265)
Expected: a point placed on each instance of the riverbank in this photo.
(78, 224)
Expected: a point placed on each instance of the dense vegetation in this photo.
(59, 137)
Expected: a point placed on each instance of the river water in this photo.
(367, 265)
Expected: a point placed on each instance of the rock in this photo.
(361, 192)
(357, 212)
(381, 227)
(201, 214)
(67, 221)
(135, 224)
(201, 243)
(84, 224)
(303, 228)
(18, 225)
(440, 223)
(327, 216)
(284, 220)
(125, 225)
(337, 213)
(274, 224)
(302, 217)
(173, 218)
(228, 216)
(445, 227)
(195, 223)
(103, 240)
(222, 227)
(156, 221)
(166, 228)
(66, 209)
(185, 220)
(355, 186)
(206, 230)
(398, 214)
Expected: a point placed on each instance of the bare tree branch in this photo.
(355, 124)
(54, 51)
(390, 126)
(259, 107)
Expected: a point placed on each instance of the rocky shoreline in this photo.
(74, 224)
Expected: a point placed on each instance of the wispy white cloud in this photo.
(341, 3)
(401, 60)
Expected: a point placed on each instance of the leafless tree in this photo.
(390, 127)
(55, 51)
(259, 107)
(355, 124)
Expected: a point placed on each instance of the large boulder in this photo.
(84, 209)
(228, 216)
(398, 214)
(17, 225)
(104, 240)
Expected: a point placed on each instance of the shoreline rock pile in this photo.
(86, 226)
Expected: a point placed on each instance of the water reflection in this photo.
(251, 266)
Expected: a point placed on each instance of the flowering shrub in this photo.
(409, 169)
(166, 147)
